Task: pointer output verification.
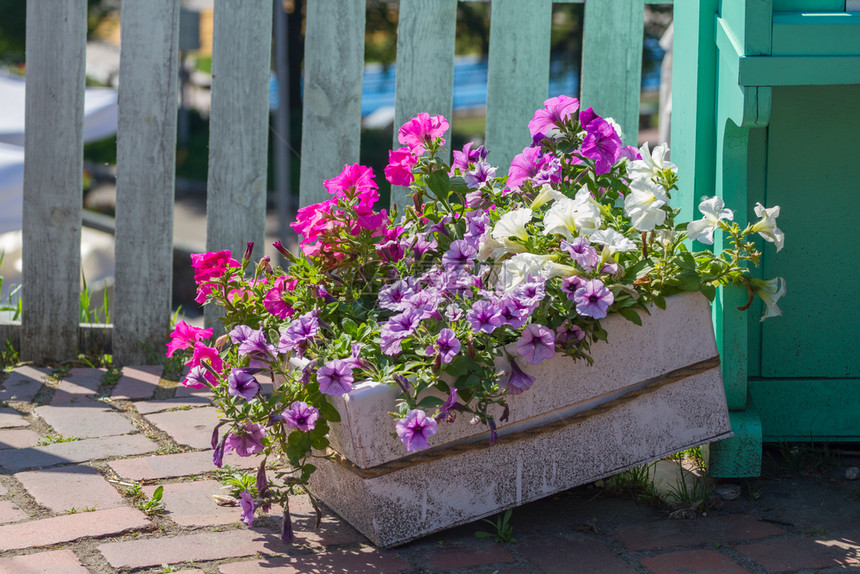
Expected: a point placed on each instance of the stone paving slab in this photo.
(23, 383)
(173, 465)
(64, 488)
(556, 554)
(189, 427)
(51, 562)
(137, 382)
(75, 452)
(186, 548)
(71, 527)
(361, 561)
(147, 407)
(78, 384)
(192, 504)
(462, 556)
(18, 438)
(85, 419)
(802, 554)
(9, 512)
(10, 418)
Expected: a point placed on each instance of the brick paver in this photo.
(561, 555)
(669, 533)
(82, 487)
(85, 419)
(23, 383)
(74, 452)
(18, 438)
(10, 418)
(686, 561)
(9, 512)
(460, 556)
(803, 553)
(192, 504)
(189, 427)
(71, 527)
(361, 561)
(186, 548)
(173, 465)
(51, 562)
(137, 382)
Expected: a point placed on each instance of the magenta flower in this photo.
(518, 381)
(208, 354)
(246, 439)
(447, 345)
(355, 181)
(274, 299)
(536, 344)
(248, 507)
(414, 429)
(546, 121)
(462, 159)
(421, 131)
(335, 378)
(211, 265)
(535, 165)
(301, 416)
(593, 299)
(243, 384)
(184, 336)
(312, 220)
(601, 144)
(399, 168)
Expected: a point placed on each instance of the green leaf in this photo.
(439, 183)
(329, 413)
(156, 496)
(659, 301)
(688, 281)
(709, 291)
(631, 315)
(349, 326)
(430, 402)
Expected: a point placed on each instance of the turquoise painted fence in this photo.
(518, 80)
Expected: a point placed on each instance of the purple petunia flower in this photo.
(248, 507)
(593, 299)
(447, 345)
(582, 252)
(460, 253)
(518, 381)
(462, 159)
(414, 429)
(484, 316)
(570, 284)
(335, 378)
(243, 384)
(246, 440)
(397, 328)
(514, 313)
(477, 177)
(300, 330)
(218, 452)
(287, 535)
(568, 335)
(199, 377)
(531, 292)
(390, 296)
(301, 416)
(422, 245)
(533, 164)
(252, 343)
(450, 403)
(536, 343)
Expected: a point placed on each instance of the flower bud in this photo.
(281, 249)
(249, 248)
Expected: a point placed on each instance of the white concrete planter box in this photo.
(653, 390)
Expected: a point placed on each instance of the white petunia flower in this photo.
(651, 164)
(615, 242)
(513, 224)
(767, 226)
(644, 204)
(518, 268)
(546, 194)
(770, 291)
(567, 216)
(702, 230)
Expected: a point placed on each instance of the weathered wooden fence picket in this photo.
(334, 59)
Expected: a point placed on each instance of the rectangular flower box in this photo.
(653, 390)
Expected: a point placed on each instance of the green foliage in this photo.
(238, 481)
(503, 529)
(54, 439)
(152, 505)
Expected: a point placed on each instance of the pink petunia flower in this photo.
(421, 131)
(399, 168)
(555, 110)
(211, 265)
(184, 336)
